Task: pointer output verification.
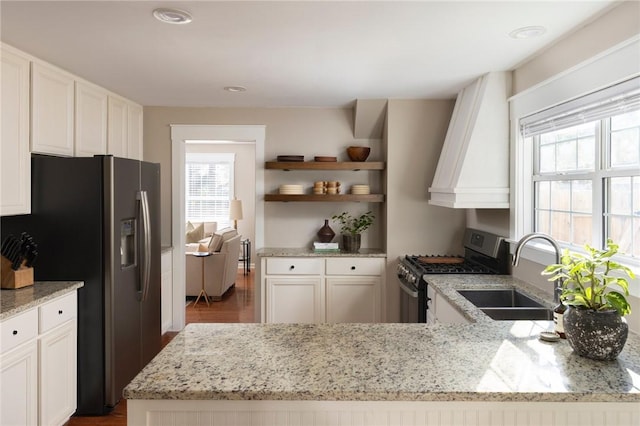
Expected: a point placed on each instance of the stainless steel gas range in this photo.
(484, 253)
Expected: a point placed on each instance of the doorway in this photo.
(181, 135)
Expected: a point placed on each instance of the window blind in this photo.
(209, 187)
(614, 100)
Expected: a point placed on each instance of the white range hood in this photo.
(473, 169)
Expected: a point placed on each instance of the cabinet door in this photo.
(118, 130)
(19, 378)
(353, 299)
(91, 120)
(52, 104)
(15, 162)
(134, 137)
(446, 313)
(295, 299)
(57, 380)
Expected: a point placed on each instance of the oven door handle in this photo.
(410, 291)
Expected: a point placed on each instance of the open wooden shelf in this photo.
(369, 198)
(324, 165)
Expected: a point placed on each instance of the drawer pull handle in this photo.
(15, 332)
(292, 267)
(60, 312)
(353, 268)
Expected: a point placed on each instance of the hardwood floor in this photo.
(235, 306)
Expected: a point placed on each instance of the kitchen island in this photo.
(486, 372)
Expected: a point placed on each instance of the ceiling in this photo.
(287, 53)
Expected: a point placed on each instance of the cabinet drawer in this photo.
(355, 266)
(18, 329)
(57, 311)
(294, 266)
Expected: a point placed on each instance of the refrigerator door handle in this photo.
(145, 270)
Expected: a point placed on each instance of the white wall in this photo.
(297, 131)
(414, 136)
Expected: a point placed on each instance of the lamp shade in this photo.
(235, 210)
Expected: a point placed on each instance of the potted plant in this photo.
(351, 228)
(594, 323)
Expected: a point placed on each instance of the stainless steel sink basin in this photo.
(501, 298)
(506, 314)
(507, 304)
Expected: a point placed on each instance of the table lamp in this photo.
(235, 211)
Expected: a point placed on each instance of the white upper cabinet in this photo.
(90, 120)
(52, 110)
(118, 130)
(473, 169)
(15, 162)
(134, 118)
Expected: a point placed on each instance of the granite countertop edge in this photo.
(381, 396)
(309, 252)
(13, 302)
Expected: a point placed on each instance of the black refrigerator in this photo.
(97, 220)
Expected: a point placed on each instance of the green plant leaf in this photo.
(618, 302)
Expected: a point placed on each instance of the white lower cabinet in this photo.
(295, 300)
(318, 290)
(19, 381)
(38, 364)
(57, 378)
(445, 312)
(353, 299)
(353, 289)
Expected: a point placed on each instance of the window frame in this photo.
(598, 176)
(208, 158)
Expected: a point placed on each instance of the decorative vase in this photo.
(326, 234)
(598, 335)
(351, 243)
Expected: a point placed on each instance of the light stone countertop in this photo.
(483, 361)
(13, 302)
(309, 252)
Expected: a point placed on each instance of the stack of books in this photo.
(319, 247)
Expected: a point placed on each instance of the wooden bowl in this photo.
(358, 153)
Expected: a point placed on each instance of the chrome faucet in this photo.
(536, 235)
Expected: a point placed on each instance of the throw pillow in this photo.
(196, 234)
(219, 237)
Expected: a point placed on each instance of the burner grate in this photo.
(447, 265)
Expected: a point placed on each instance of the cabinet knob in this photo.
(60, 312)
(292, 267)
(353, 268)
(15, 332)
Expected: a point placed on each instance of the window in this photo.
(586, 169)
(209, 187)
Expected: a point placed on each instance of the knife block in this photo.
(14, 279)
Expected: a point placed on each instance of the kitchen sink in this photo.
(501, 298)
(506, 314)
(507, 304)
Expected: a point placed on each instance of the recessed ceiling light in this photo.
(235, 89)
(528, 32)
(172, 16)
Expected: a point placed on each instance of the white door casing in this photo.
(180, 134)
